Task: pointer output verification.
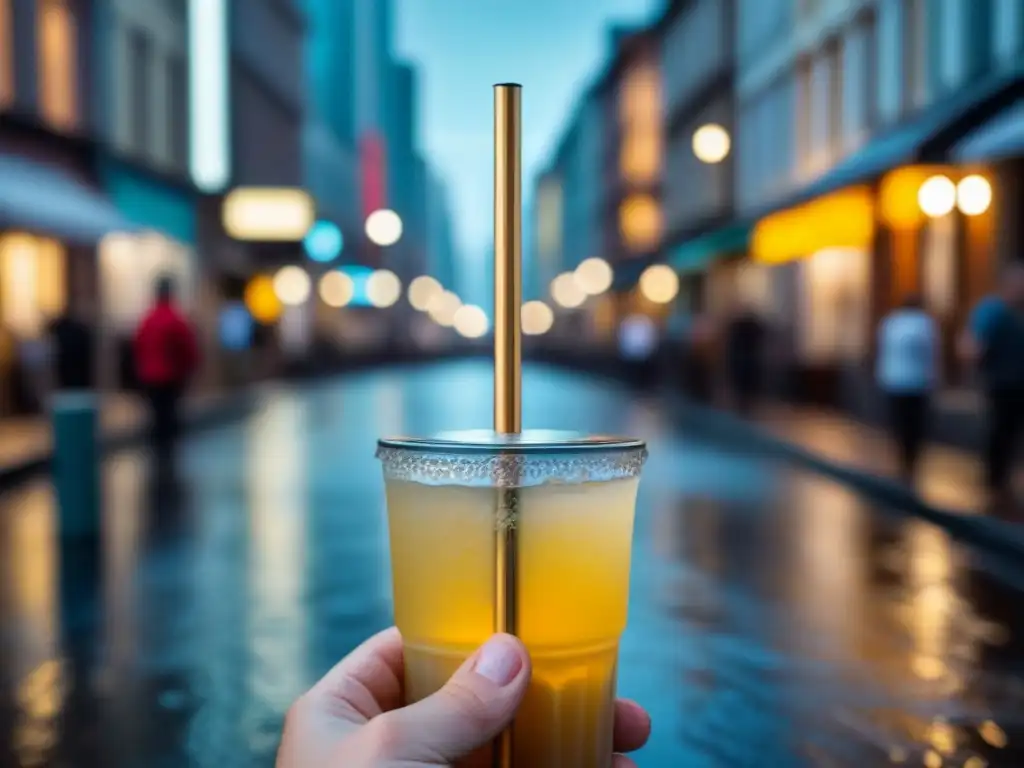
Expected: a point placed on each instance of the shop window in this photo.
(32, 285)
(58, 64)
(6, 54)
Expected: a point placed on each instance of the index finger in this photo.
(367, 682)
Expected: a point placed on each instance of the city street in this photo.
(776, 618)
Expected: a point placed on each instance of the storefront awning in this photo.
(46, 200)
(843, 219)
(697, 254)
(1000, 138)
(929, 138)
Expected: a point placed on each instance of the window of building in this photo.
(1008, 30)
(640, 223)
(177, 104)
(804, 93)
(832, 54)
(140, 58)
(6, 54)
(58, 63)
(915, 54)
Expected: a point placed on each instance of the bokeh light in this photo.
(384, 227)
(443, 307)
(383, 288)
(659, 283)
(336, 289)
(536, 318)
(470, 321)
(292, 285)
(324, 242)
(973, 195)
(594, 276)
(566, 292)
(261, 300)
(937, 196)
(422, 291)
(711, 143)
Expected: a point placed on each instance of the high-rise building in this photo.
(441, 256)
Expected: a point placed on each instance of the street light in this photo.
(336, 289)
(973, 195)
(383, 288)
(384, 227)
(422, 291)
(566, 292)
(470, 321)
(536, 318)
(659, 283)
(292, 285)
(261, 300)
(937, 196)
(443, 307)
(594, 276)
(711, 143)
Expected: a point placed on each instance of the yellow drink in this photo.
(574, 544)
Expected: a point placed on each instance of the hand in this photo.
(354, 718)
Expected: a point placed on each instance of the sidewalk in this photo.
(949, 492)
(26, 443)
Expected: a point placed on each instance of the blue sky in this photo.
(463, 47)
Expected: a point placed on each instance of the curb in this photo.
(995, 535)
(223, 410)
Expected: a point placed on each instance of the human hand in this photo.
(354, 716)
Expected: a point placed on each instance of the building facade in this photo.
(850, 115)
(697, 64)
(53, 211)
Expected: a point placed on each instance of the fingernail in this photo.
(499, 660)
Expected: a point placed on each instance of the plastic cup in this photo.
(575, 499)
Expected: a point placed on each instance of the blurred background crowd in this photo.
(797, 166)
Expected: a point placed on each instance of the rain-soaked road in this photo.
(776, 618)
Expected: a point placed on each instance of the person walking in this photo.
(907, 374)
(166, 355)
(994, 344)
(746, 336)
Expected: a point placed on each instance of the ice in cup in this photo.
(574, 506)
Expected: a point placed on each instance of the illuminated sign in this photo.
(268, 214)
(209, 129)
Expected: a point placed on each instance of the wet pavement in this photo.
(776, 619)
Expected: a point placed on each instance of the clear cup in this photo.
(575, 501)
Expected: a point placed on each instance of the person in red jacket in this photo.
(166, 358)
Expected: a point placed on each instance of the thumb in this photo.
(473, 707)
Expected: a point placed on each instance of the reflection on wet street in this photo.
(776, 619)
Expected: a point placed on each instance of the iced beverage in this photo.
(574, 523)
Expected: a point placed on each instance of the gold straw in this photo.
(508, 375)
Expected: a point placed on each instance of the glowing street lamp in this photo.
(470, 321)
(383, 288)
(711, 143)
(566, 292)
(594, 276)
(659, 283)
(261, 300)
(973, 195)
(336, 289)
(292, 285)
(443, 307)
(937, 196)
(536, 318)
(422, 291)
(384, 227)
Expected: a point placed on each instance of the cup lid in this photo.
(530, 441)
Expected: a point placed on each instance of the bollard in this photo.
(76, 464)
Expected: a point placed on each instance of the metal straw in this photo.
(508, 374)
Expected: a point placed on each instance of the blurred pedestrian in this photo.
(994, 344)
(907, 374)
(72, 350)
(166, 358)
(746, 335)
(354, 716)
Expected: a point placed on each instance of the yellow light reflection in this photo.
(536, 318)
(470, 321)
(594, 276)
(422, 291)
(443, 307)
(659, 283)
(383, 288)
(973, 195)
(937, 196)
(336, 289)
(276, 467)
(566, 292)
